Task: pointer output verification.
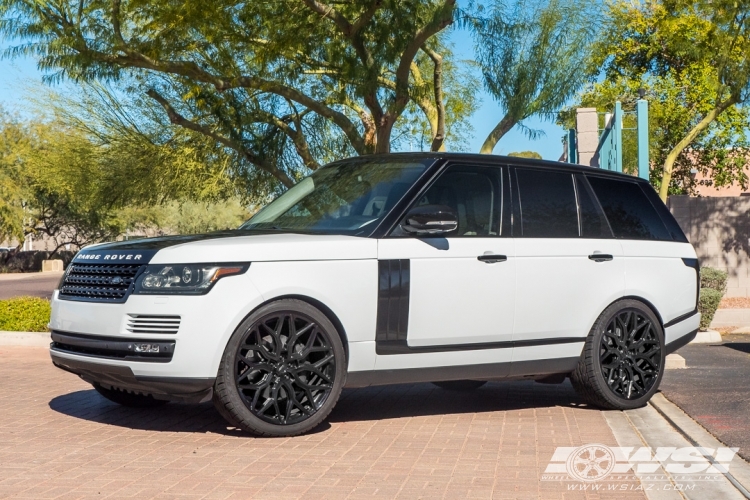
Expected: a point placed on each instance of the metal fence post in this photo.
(572, 146)
(618, 136)
(643, 162)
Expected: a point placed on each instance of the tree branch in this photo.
(689, 138)
(177, 119)
(443, 18)
(438, 139)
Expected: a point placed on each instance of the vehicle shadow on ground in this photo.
(738, 346)
(372, 403)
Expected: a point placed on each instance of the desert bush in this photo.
(24, 314)
(707, 305)
(714, 279)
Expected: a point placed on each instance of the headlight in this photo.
(189, 279)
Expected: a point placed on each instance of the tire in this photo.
(129, 399)
(259, 371)
(623, 359)
(460, 385)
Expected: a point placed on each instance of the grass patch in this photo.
(24, 314)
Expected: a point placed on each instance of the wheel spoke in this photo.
(285, 368)
(629, 354)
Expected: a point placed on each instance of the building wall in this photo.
(719, 229)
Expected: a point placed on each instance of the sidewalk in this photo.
(60, 439)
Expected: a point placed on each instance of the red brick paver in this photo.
(60, 439)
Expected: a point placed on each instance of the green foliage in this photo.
(526, 154)
(691, 59)
(185, 217)
(534, 55)
(714, 279)
(281, 87)
(707, 304)
(24, 314)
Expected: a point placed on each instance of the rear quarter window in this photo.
(630, 212)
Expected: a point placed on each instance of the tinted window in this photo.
(548, 204)
(629, 211)
(593, 222)
(666, 216)
(473, 194)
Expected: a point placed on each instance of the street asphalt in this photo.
(714, 388)
(28, 284)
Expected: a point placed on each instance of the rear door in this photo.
(569, 267)
(658, 258)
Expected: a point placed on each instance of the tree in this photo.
(280, 84)
(534, 57)
(719, 153)
(526, 154)
(698, 49)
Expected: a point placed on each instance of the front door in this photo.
(459, 288)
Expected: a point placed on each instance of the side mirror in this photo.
(430, 220)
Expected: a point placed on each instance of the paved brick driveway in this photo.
(59, 439)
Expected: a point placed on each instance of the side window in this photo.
(474, 194)
(548, 204)
(629, 211)
(593, 222)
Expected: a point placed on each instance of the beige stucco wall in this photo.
(719, 229)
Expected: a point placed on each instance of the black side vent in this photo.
(393, 300)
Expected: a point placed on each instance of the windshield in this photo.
(340, 198)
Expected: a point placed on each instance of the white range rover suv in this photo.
(452, 269)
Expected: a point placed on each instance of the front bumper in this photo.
(192, 336)
(189, 390)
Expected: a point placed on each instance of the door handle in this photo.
(600, 257)
(492, 258)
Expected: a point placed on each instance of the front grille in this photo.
(113, 347)
(150, 323)
(99, 282)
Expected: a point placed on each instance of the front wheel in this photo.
(282, 371)
(623, 358)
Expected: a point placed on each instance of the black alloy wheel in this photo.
(623, 358)
(630, 354)
(282, 371)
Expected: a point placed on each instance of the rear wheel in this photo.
(129, 399)
(460, 385)
(282, 371)
(623, 359)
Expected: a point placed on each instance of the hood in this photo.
(232, 246)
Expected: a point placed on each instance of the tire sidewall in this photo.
(598, 333)
(228, 362)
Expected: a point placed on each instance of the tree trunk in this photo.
(497, 133)
(685, 142)
(385, 129)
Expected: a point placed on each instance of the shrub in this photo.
(24, 314)
(714, 279)
(30, 262)
(707, 305)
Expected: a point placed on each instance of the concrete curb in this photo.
(674, 361)
(707, 337)
(739, 470)
(38, 339)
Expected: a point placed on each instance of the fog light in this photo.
(146, 347)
